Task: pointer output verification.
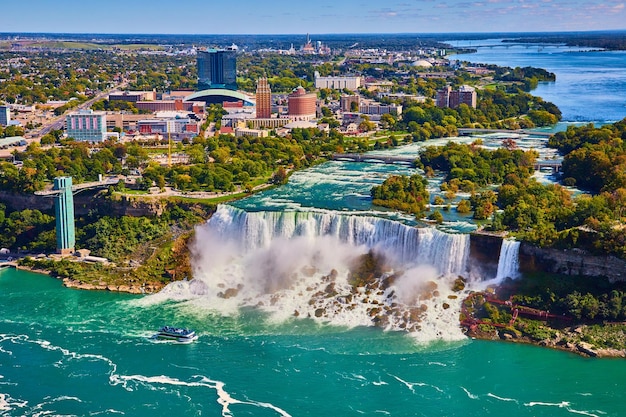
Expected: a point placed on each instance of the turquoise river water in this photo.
(278, 345)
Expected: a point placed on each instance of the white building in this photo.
(86, 125)
(338, 83)
(254, 133)
(374, 108)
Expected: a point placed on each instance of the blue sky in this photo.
(314, 16)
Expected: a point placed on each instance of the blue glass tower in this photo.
(64, 211)
(217, 68)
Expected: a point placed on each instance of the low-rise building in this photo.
(171, 105)
(254, 133)
(270, 123)
(374, 108)
(338, 83)
(167, 124)
(132, 96)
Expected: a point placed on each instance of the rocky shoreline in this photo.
(144, 288)
(149, 288)
(561, 342)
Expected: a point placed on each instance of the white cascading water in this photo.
(508, 262)
(297, 264)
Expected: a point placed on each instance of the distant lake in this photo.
(590, 85)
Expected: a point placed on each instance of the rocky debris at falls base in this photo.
(149, 288)
(367, 295)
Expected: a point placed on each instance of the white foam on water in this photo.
(7, 403)
(469, 394)
(297, 264)
(411, 385)
(502, 398)
(223, 397)
(566, 405)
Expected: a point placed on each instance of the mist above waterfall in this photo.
(301, 264)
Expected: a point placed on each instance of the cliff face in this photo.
(26, 201)
(571, 262)
(88, 201)
(485, 252)
(484, 255)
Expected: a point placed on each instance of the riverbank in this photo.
(601, 340)
(565, 340)
(143, 288)
(485, 317)
(130, 288)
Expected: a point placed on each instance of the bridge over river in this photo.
(467, 131)
(374, 159)
(82, 186)
(555, 165)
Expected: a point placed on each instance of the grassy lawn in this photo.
(215, 200)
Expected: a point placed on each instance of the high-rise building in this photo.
(217, 68)
(5, 115)
(446, 97)
(301, 105)
(464, 95)
(263, 99)
(64, 211)
(86, 125)
(443, 96)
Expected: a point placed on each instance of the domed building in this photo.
(422, 63)
(301, 105)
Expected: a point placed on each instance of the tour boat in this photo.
(175, 333)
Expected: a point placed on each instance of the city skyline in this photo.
(323, 16)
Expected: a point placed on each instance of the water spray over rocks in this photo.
(333, 268)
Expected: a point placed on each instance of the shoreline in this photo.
(582, 348)
(142, 289)
(560, 342)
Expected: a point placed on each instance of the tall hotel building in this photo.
(217, 68)
(64, 211)
(5, 115)
(301, 105)
(263, 99)
(86, 125)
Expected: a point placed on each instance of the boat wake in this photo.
(130, 383)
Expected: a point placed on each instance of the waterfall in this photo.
(408, 246)
(299, 264)
(508, 263)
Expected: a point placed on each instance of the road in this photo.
(57, 122)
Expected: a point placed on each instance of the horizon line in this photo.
(321, 33)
